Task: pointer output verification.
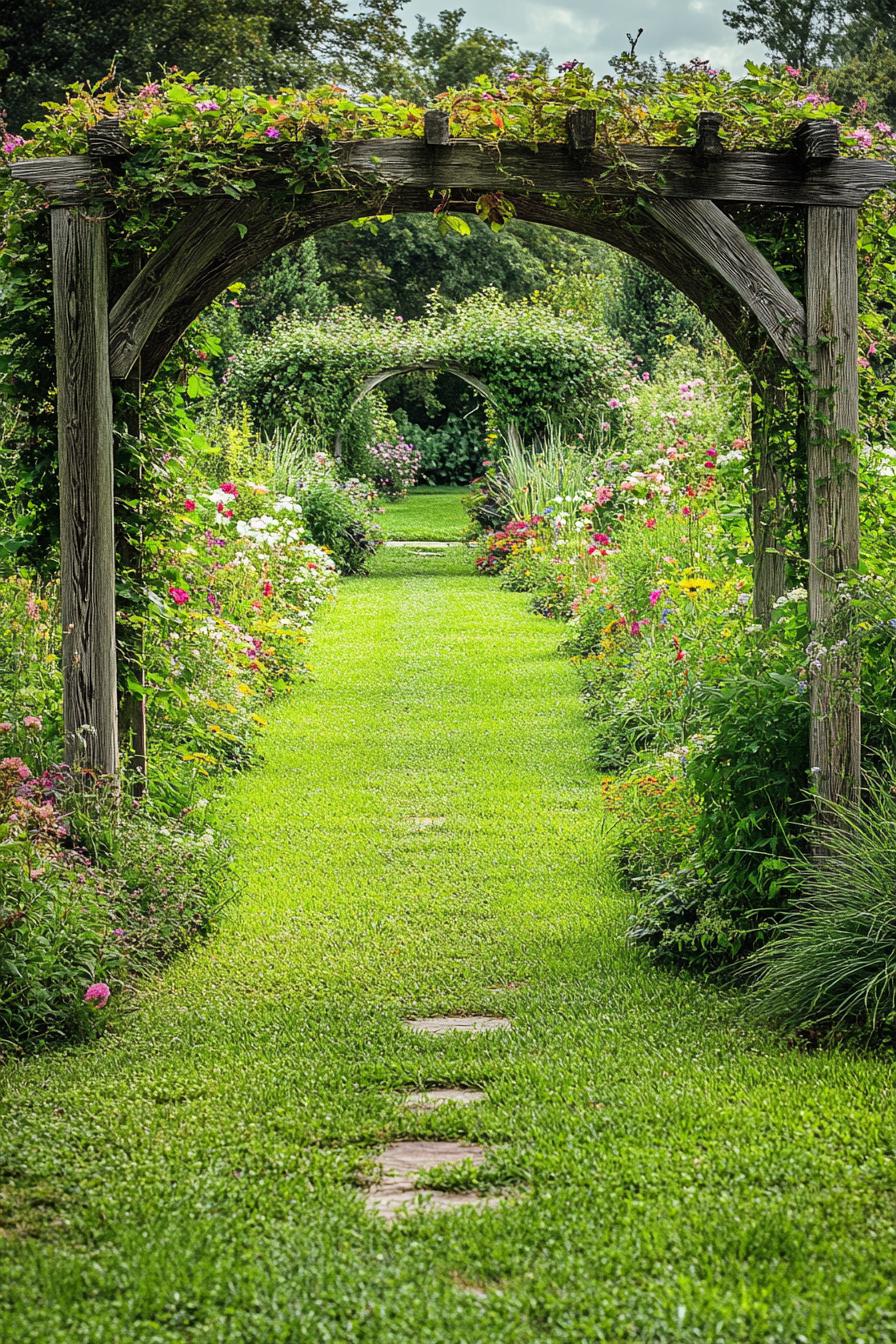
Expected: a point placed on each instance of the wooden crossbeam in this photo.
(435, 127)
(755, 177)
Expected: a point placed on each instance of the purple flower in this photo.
(273, 133)
(565, 66)
(97, 995)
(11, 143)
(207, 105)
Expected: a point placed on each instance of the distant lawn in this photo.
(430, 513)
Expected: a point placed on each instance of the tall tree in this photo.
(448, 56)
(804, 33)
(266, 43)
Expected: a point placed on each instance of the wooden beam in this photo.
(69, 179)
(581, 129)
(106, 140)
(756, 178)
(832, 347)
(435, 127)
(817, 141)
(709, 141)
(183, 257)
(719, 245)
(86, 511)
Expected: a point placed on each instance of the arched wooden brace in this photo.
(375, 380)
(692, 243)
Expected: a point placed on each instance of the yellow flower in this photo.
(691, 587)
(259, 719)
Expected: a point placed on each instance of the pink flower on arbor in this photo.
(33, 721)
(97, 995)
(794, 71)
(179, 595)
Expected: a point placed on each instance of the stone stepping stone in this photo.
(419, 545)
(434, 1097)
(441, 1026)
(403, 1162)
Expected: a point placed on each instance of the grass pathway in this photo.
(190, 1178)
(428, 513)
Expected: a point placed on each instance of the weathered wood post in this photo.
(833, 414)
(86, 510)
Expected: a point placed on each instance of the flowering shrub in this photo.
(395, 467)
(94, 891)
(703, 711)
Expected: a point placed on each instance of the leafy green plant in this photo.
(831, 965)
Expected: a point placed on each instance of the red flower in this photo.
(189, 505)
(268, 588)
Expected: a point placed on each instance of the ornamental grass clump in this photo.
(832, 965)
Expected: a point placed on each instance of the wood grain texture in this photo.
(709, 140)
(106, 140)
(435, 127)
(68, 179)
(581, 129)
(718, 244)
(755, 177)
(179, 294)
(832, 345)
(181, 260)
(817, 139)
(86, 509)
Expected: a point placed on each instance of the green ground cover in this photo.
(429, 512)
(677, 1174)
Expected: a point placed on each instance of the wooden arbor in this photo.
(661, 205)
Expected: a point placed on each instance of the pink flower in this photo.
(33, 721)
(118, 933)
(11, 143)
(17, 766)
(655, 596)
(229, 488)
(149, 91)
(601, 538)
(614, 403)
(686, 513)
(5, 727)
(189, 505)
(650, 523)
(207, 105)
(884, 127)
(872, 349)
(645, 377)
(605, 425)
(268, 588)
(862, 137)
(587, 508)
(794, 71)
(603, 494)
(178, 595)
(272, 133)
(97, 995)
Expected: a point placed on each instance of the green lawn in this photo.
(678, 1175)
(429, 513)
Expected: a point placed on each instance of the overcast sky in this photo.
(593, 30)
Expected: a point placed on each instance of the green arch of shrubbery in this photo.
(539, 365)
